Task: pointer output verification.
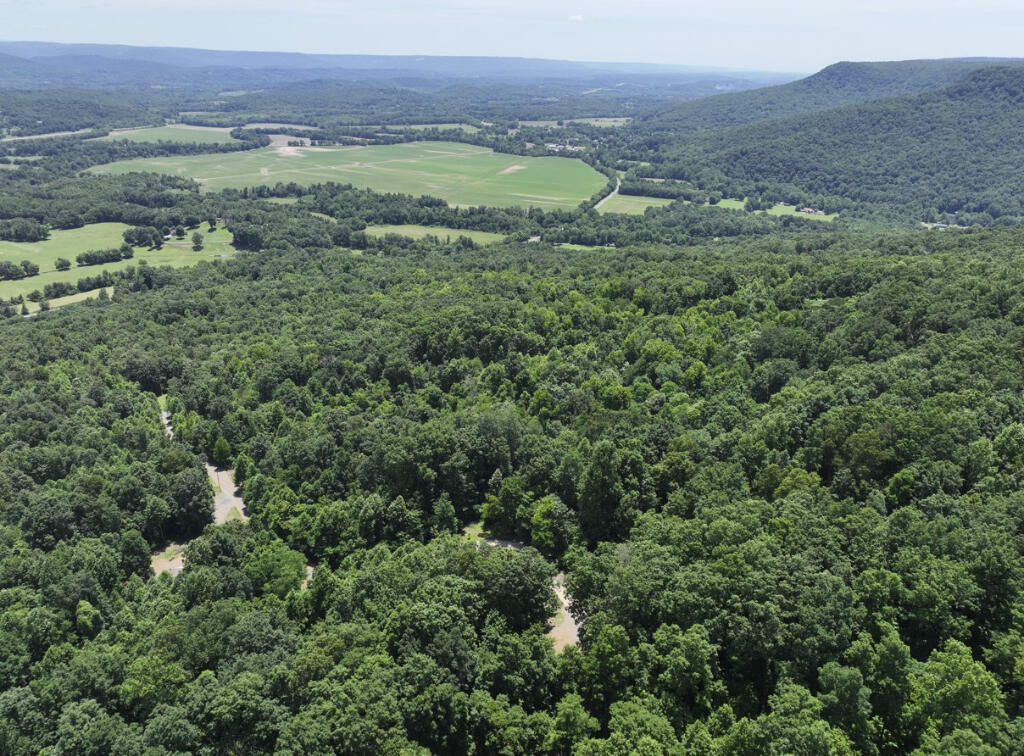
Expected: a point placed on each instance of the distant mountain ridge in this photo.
(311, 66)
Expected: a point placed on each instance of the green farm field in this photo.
(632, 204)
(468, 128)
(173, 133)
(68, 244)
(419, 232)
(462, 174)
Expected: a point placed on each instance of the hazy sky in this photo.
(789, 35)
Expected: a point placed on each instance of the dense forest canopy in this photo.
(720, 477)
(813, 437)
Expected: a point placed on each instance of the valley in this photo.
(461, 174)
(448, 404)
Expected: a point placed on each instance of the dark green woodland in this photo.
(773, 465)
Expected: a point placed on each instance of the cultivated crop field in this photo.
(462, 174)
(177, 132)
(419, 232)
(69, 244)
(631, 204)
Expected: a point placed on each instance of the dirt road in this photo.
(564, 630)
(227, 505)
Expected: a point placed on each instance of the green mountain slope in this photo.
(839, 84)
(955, 151)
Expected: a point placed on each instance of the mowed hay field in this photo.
(177, 132)
(419, 232)
(462, 174)
(70, 243)
(631, 204)
(468, 128)
(778, 209)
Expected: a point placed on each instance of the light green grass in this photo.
(176, 132)
(462, 174)
(469, 129)
(418, 232)
(281, 200)
(69, 244)
(606, 122)
(632, 204)
(51, 135)
(779, 209)
(68, 300)
(271, 125)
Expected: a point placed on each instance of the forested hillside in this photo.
(839, 84)
(47, 111)
(783, 476)
(946, 155)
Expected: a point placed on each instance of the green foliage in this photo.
(780, 472)
(942, 155)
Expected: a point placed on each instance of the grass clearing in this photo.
(302, 126)
(781, 209)
(778, 209)
(64, 243)
(614, 122)
(69, 300)
(68, 244)
(632, 204)
(419, 232)
(50, 135)
(462, 174)
(175, 132)
(468, 128)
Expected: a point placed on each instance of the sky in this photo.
(791, 35)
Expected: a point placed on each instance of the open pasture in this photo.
(443, 233)
(175, 132)
(631, 204)
(468, 128)
(70, 299)
(64, 243)
(278, 125)
(778, 209)
(70, 243)
(462, 174)
(613, 122)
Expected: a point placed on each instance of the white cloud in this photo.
(577, 18)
